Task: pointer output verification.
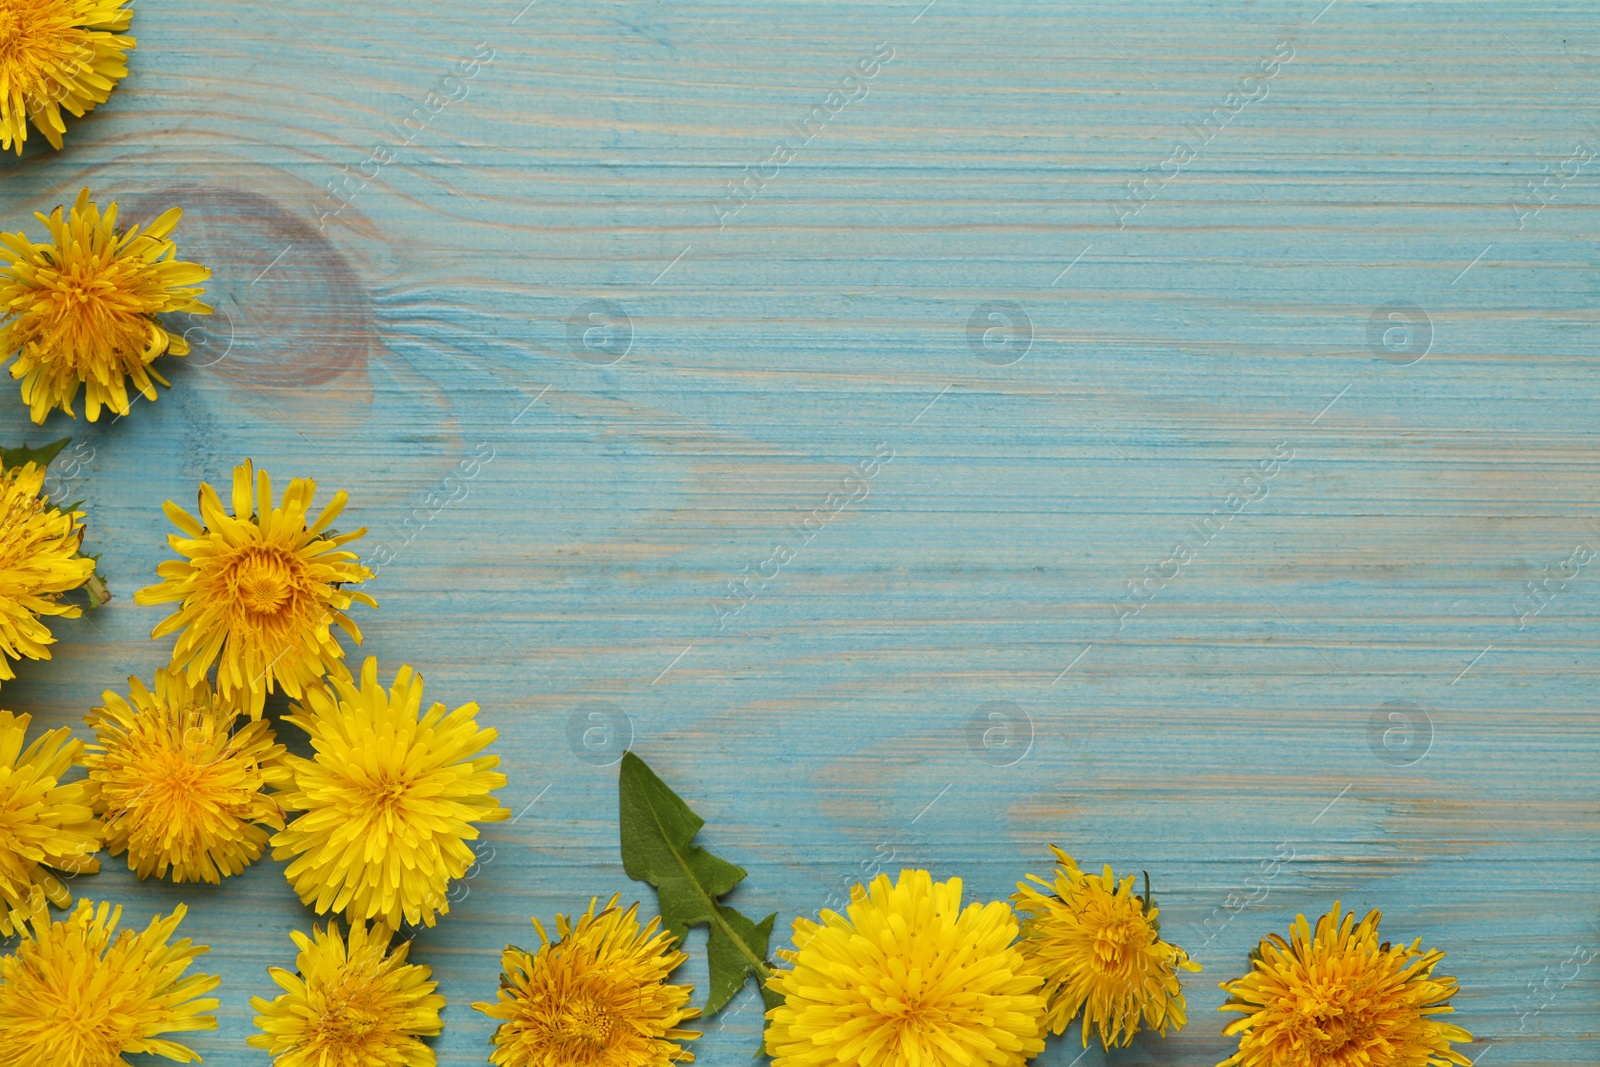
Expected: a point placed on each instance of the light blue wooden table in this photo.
(543, 263)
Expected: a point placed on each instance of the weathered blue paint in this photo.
(679, 384)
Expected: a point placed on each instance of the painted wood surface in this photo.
(541, 272)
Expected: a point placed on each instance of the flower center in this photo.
(919, 1018)
(177, 786)
(591, 1024)
(263, 581)
(84, 1023)
(42, 50)
(10, 31)
(1112, 943)
(13, 29)
(88, 300)
(1329, 1026)
(344, 1025)
(385, 795)
(178, 792)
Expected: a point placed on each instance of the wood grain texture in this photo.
(828, 724)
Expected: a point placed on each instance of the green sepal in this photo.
(1150, 904)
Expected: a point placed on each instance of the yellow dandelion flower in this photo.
(39, 561)
(1099, 947)
(389, 800)
(58, 55)
(45, 826)
(352, 1004)
(909, 978)
(75, 996)
(179, 786)
(597, 997)
(259, 590)
(80, 309)
(1339, 998)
